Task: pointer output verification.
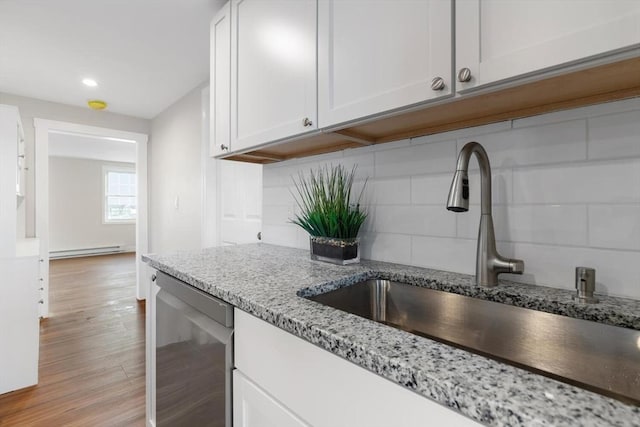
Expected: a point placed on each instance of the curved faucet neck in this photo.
(485, 172)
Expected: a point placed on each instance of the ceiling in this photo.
(144, 54)
(91, 147)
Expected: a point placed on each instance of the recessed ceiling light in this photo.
(90, 82)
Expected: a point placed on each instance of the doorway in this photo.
(231, 193)
(47, 130)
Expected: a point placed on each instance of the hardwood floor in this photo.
(92, 370)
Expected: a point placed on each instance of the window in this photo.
(119, 196)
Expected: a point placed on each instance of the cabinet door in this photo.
(220, 82)
(501, 39)
(273, 70)
(240, 199)
(300, 374)
(380, 55)
(20, 326)
(253, 407)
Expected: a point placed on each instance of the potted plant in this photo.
(329, 215)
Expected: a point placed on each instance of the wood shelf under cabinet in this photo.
(599, 84)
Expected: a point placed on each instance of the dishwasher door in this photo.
(194, 357)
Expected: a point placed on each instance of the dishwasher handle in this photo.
(216, 309)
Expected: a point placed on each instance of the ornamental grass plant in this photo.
(325, 201)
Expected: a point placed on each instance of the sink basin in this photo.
(598, 357)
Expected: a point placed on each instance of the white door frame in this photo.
(42, 129)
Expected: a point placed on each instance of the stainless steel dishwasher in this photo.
(194, 356)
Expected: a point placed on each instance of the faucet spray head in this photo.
(458, 200)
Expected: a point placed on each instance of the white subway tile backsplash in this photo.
(431, 189)
(389, 145)
(550, 224)
(559, 142)
(501, 188)
(468, 223)
(615, 136)
(616, 270)
(416, 159)
(388, 192)
(434, 189)
(386, 247)
(273, 176)
(321, 159)
(447, 254)
(614, 226)
(363, 161)
(596, 182)
(553, 206)
(423, 220)
(464, 133)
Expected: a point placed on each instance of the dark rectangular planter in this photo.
(334, 250)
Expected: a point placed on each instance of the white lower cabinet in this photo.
(253, 407)
(19, 323)
(282, 380)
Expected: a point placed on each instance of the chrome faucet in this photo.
(488, 262)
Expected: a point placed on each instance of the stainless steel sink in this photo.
(599, 357)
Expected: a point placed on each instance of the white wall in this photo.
(175, 175)
(34, 108)
(566, 193)
(76, 208)
(90, 147)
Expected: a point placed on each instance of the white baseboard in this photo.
(102, 250)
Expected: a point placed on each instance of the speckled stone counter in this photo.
(268, 281)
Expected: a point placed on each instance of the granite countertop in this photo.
(268, 282)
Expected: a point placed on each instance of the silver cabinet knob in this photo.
(306, 122)
(464, 75)
(224, 147)
(437, 83)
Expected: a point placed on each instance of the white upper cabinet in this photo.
(220, 82)
(273, 70)
(375, 56)
(286, 70)
(500, 39)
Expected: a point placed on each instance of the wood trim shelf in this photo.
(603, 83)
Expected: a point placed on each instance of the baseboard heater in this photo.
(73, 253)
